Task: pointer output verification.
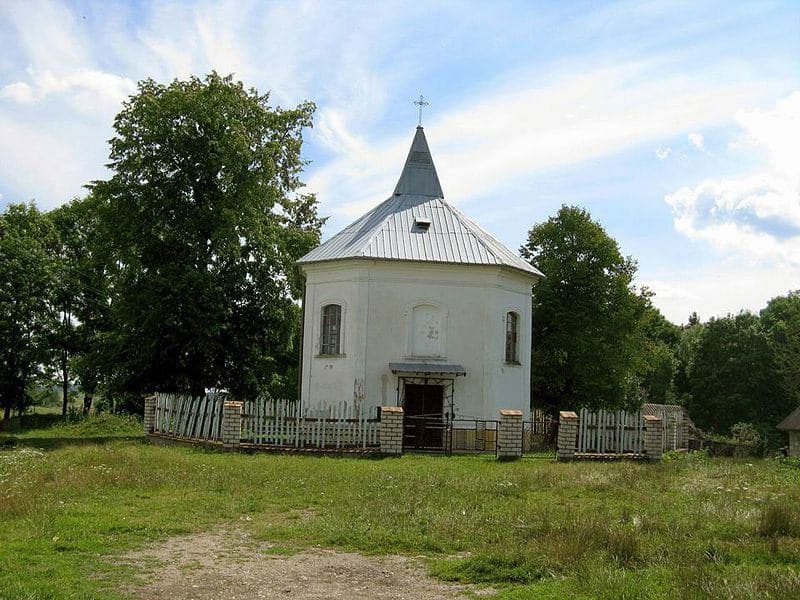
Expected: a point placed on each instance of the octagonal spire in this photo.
(419, 176)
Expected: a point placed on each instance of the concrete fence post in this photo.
(684, 432)
(509, 436)
(567, 434)
(149, 414)
(391, 430)
(231, 424)
(653, 437)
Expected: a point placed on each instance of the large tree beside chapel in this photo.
(587, 319)
(203, 218)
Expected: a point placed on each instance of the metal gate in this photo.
(540, 435)
(426, 433)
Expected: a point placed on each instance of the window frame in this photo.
(511, 338)
(325, 330)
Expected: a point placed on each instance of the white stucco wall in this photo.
(463, 319)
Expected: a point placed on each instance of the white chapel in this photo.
(415, 305)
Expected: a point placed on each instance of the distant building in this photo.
(415, 305)
(791, 425)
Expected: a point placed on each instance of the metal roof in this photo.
(427, 368)
(389, 230)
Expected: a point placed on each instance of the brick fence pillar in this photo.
(149, 414)
(231, 424)
(509, 436)
(653, 437)
(391, 431)
(567, 434)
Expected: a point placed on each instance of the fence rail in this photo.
(473, 436)
(610, 432)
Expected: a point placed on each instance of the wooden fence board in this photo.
(610, 432)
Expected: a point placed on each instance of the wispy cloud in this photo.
(90, 91)
(518, 90)
(483, 145)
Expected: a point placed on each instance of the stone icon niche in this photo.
(427, 331)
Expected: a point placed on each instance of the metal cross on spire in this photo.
(421, 103)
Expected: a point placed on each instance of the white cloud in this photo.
(663, 152)
(697, 141)
(19, 92)
(756, 216)
(91, 91)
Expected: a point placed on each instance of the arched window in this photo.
(331, 329)
(512, 337)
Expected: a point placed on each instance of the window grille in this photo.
(331, 329)
(512, 326)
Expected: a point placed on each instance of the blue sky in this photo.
(676, 124)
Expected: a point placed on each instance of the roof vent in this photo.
(422, 223)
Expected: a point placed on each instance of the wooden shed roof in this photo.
(792, 422)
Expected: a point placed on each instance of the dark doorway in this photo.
(423, 423)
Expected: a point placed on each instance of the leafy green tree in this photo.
(27, 243)
(587, 317)
(69, 251)
(732, 377)
(81, 297)
(658, 365)
(203, 219)
(781, 320)
(685, 354)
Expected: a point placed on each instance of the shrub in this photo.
(745, 433)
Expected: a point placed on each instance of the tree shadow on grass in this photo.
(54, 443)
(35, 421)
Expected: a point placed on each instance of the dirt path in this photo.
(229, 564)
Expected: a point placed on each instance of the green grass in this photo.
(692, 527)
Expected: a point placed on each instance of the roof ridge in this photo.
(374, 229)
(465, 220)
(493, 251)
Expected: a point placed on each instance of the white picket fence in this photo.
(268, 422)
(610, 432)
(194, 418)
(281, 423)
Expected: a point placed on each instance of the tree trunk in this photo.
(22, 391)
(6, 412)
(64, 383)
(87, 403)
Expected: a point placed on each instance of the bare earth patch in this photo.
(230, 564)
